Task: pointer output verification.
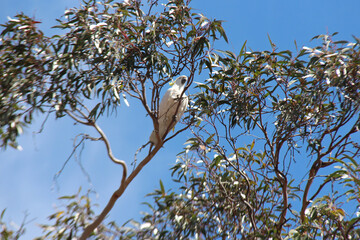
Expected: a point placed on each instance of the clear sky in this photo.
(26, 177)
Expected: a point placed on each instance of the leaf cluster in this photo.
(107, 53)
(301, 110)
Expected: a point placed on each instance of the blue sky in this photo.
(26, 177)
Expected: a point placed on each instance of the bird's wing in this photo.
(180, 105)
(183, 106)
(165, 103)
(163, 107)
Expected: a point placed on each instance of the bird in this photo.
(172, 106)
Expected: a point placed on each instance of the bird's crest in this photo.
(172, 82)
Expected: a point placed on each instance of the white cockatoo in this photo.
(171, 108)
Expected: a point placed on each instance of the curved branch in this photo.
(120, 190)
(118, 193)
(125, 180)
(90, 122)
(109, 151)
(77, 119)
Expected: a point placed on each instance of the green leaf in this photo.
(162, 188)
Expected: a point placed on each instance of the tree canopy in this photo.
(300, 114)
(259, 118)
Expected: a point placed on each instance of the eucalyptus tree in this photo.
(275, 149)
(107, 52)
(275, 146)
(274, 152)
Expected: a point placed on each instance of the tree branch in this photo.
(125, 180)
(118, 193)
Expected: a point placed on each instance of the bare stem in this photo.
(109, 151)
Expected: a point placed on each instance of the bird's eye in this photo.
(183, 81)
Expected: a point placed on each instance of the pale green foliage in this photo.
(22, 68)
(297, 111)
(261, 120)
(109, 51)
(9, 231)
(70, 221)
